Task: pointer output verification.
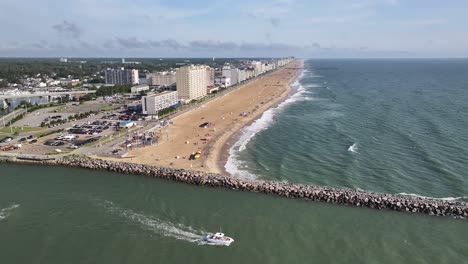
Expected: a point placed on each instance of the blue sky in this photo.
(225, 28)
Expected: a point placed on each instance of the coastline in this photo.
(227, 115)
(224, 151)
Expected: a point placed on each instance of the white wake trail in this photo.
(156, 225)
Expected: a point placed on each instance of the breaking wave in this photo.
(353, 148)
(435, 198)
(5, 212)
(156, 225)
(234, 165)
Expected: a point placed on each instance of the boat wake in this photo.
(156, 225)
(435, 198)
(234, 165)
(5, 212)
(353, 148)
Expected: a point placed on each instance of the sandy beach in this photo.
(226, 115)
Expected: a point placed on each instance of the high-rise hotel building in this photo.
(121, 76)
(191, 82)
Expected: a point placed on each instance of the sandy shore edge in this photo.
(232, 138)
(225, 113)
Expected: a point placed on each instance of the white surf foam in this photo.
(353, 148)
(153, 224)
(435, 198)
(5, 212)
(236, 167)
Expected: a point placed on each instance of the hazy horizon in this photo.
(162, 28)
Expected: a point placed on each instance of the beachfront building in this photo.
(121, 76)
(223, 81)
(154, 103)
(231, 73)
(139, 88)
(191, 82)
(257, 67)
(245, 74)
(284, 61)
(210, 76)
(161, 79)
(269, 66)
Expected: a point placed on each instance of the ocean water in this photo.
(60, 215)
(396, 126)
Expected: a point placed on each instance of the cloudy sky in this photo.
(226, 28)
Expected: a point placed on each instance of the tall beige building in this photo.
(161, 78)
(210, 76)
(191, 82)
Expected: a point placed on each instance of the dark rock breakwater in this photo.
(316, 193)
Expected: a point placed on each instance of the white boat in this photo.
(218, 239)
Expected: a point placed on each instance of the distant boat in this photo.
(218, 239)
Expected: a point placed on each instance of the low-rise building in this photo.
(212, 89)
(139, 88)
(154, 103)
(66, 82)
(223, 81)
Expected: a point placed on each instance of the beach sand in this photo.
(184, 136)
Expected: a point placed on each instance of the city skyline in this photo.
(143, 28)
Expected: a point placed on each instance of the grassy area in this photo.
(49, 133)
(58, 153)
(108, 107)
(25, 129)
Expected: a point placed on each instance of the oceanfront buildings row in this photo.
(190, 82)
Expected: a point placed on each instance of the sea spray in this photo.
(435, 198)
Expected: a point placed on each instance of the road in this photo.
(10, 96)
(4, 120)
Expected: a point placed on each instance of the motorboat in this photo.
(218, 239)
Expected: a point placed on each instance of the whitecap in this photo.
(5, 212)
(353, 148)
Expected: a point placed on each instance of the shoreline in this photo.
(226, 115)
(224, 152)
(333, 195)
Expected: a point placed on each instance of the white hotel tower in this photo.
(191, 82)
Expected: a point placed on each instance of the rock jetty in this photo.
(342, 196)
